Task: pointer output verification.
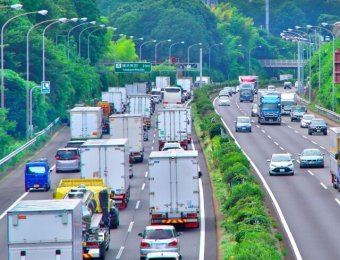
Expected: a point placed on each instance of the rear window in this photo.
(36, 170)
(66, 154)
(158, 234)
(172, 90)
(75, 144)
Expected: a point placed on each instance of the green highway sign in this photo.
(132, 67)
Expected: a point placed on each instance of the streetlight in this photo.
(182, 42)
(119, 35)
(60, 35)
(88, 39)
(61, 20)
(189, 50)
(249, 55)
(156, 45)
(15, 6)
(81, 32)
(42, 12)
(140, 48)
(221, 43)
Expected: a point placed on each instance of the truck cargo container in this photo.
(250, 80)
(140, 104)
(129, 127)
(108, 159)
(174, 189)
(334, 149)
(136, 88)
(162, 82)
(117, 97)
(45, 229)
(86, 122)
(185, 83)
(173, 124)
(288, 100)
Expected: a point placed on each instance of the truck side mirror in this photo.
(199, 174)
(336, 156)
(140, 234)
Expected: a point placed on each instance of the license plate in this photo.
(318, 130)
(160, 246)
(270, 120)
(36, 186)
(282, 170)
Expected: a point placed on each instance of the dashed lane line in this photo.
(323, 185)
(311, 173)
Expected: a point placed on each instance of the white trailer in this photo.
(173, 125)
(288, 100)
(140, 104)
(162, 82)
(204, 80)
(334, 148)
(117, 97)
(45, 229)
(135, 88)
(129, 127)
(174, 190)
(108, 159)
(185, 83)
(86, 122)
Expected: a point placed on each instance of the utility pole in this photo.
(267, 16)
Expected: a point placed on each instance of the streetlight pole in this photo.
(31, 110)
(249, 57)
(42, 12)
(140, 48)
(156, 45)
(81, 32)
(189, 50)
(61, 20)
(182, 42)
(221, 43)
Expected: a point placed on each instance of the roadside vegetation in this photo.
(248, 231)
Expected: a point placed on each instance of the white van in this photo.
(172, 95)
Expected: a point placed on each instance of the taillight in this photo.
(173, 243)
(156, 216)
(191, 215)
(57, 157)
(144, 244)
(76, 157)
(92, 244)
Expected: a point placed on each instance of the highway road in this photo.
(310, 205)
(196, 244)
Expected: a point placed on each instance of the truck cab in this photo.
(37, 175)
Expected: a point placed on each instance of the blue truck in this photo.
(269, 109)
(37, 175)
(247, 92)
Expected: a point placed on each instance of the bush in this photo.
(236, 172)
(231, 158)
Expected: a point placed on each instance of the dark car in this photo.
(287, 85)
(145, 136)
(114, 216)
(318, 126)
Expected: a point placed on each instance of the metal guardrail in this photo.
(29, 143)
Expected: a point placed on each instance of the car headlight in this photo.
(272, 165)
(290, 165)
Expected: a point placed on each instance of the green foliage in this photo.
(229, 159)
(236, 172)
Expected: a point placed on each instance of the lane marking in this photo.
(289, 126)
(322, 147)
(13, 205)
(282, 148)
(337, 201)
(276, 143)
(53, 167)
(120, 252)
(146, 174)
(137, 204)
(304, 136)
(298, 161)
(323, 185)
(263, 131)
(151, 148)
(130, 226)
(153, 141)
(257, 126)
(296, 131)
(310, 173)
(269, 137)
(271, 194)
(314, 142)
(143, 186)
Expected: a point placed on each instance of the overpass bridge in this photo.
(281, 63)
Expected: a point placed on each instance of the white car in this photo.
(281, 164)
(223, 101)
(306, 119)
(172, 146)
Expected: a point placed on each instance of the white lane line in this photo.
(53, 167)
(151, 148)
(154, 135)
(130, 226)
(257, 126)
(282, 148)
(322, 147)
(120, 252)
(13, 205)
(153, 141)
(269, 137)
(289, 126)
(146, 174)
(143, 186)
(271, 194)
(310, 172)
(263, 131)
(297, 161)
(337, 201)
(304, 136)
(323, 185)
(296, 131)
(276, 143)
(137, 204)
(314, 142)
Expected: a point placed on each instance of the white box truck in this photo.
(45, 229)
(140, 104)
(173, 125)
(162, 82)
(136, 88)
(86, 123)
(174, 189)
(117, 97)
(288, 100)
(129, 127)
(334, 148)
(185, 83)
(108, 159)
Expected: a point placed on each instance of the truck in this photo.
(334, 149)
(174, 194)
(269, 108)
(129, 127)
(288, 100)
(45, 229)
(136, 88)
(108, 159)
(185, 83)
(37, 175)
(250, 80)
(140, 104)
(202, 80)
(86, 123)
(173, 125)
(117, 97)
(162, 82)
(246, 92)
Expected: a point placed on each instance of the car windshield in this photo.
(311, 152)
(243, 120)
(318, 122)
(66, 154)
(36, 170)
(308, 117)
(224, 98)
(281, 158)
(75, 144)
(158, 234)
(299, 109)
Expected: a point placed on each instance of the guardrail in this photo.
(29, 143)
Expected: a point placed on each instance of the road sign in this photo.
(188, 66)
(132, 67)
(45, 87)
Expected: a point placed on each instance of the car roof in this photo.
(155, 227)
(240, 117)
(311, 149)
(281, 154)
(68, 149)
